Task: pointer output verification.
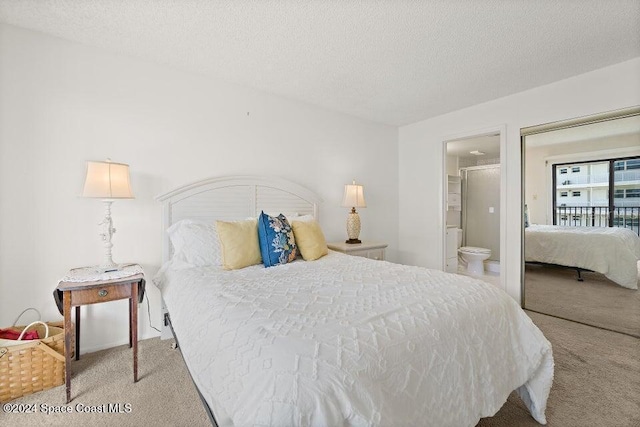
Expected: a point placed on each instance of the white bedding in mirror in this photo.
(612, 251)
(351, 341)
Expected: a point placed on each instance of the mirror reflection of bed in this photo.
(582, 231)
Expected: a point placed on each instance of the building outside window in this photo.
(593, 202)
(633, 164)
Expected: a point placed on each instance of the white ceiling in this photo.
(394, 62)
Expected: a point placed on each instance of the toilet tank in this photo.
(459, 235)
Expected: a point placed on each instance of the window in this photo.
(626, 164)
(593, 193)
(633, 164)
(629, 192)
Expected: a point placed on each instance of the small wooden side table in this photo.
(70, 294)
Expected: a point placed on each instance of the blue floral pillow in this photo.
(277, 244)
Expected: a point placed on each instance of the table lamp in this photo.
(107, 181)
(353, 198)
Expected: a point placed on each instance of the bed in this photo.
(342, 340)
(612, 251)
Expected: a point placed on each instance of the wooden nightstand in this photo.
(76, 293)
(369, 250)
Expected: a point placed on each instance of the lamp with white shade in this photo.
(354, 198)
(107, 181)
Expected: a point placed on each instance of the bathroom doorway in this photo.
(473, 201)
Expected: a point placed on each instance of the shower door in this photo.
(481, 208)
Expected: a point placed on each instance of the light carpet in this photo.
(597, 301)
(596, 383)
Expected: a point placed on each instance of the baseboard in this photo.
(492, 266)
(105, 346)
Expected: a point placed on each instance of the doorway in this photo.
(474, 192)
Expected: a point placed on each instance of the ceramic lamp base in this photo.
(353, 226)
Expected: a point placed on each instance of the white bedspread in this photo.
(348, 341)
(612, 251)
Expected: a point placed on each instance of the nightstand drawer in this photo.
(362, 253)
(371, 250)
(100, 294)
(377, 254)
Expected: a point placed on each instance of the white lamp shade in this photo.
(107, 180)
(353, 196)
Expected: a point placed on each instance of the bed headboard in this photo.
(233, 198)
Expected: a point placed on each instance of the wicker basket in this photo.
(33, 366)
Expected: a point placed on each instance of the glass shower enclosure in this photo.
(481, 208)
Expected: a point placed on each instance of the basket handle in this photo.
(24, 311)
(24, 331)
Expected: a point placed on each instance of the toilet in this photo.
(474, 257)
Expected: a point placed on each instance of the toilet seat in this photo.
(474, 250)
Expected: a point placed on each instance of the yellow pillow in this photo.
(239, 243)
(309, 239)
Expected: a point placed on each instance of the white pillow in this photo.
(304, 218)
(195, 242)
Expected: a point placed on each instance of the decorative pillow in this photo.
(309, 239)
(277, 244)
(195, 242)
(239, 242)
(526, 216)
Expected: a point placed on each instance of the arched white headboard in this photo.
(233, 198)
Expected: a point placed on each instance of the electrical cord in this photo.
(149, 313)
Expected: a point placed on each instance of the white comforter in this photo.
(347, 341)
(612, 251)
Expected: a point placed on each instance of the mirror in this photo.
(581, 223)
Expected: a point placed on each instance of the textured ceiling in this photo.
(394, 62)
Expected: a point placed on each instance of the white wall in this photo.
(420, 155)
(63, 103)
